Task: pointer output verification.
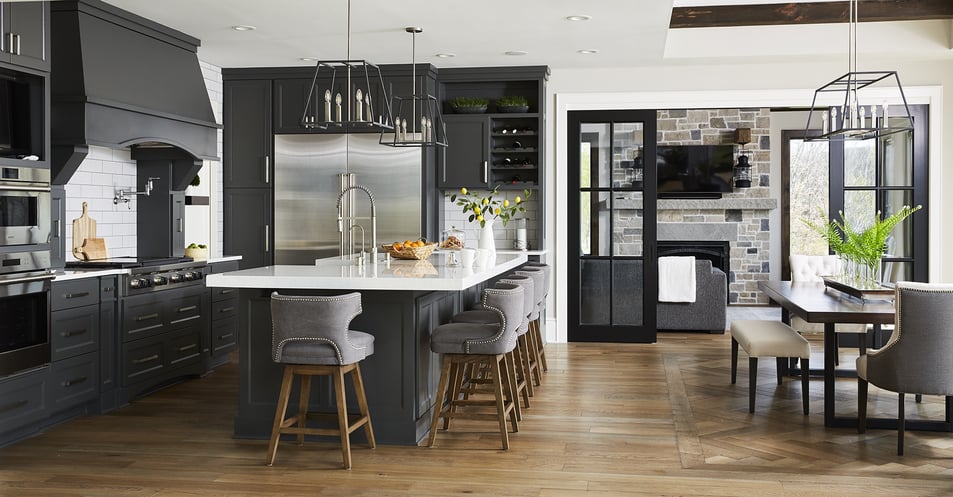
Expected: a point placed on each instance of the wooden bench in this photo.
(763, 338)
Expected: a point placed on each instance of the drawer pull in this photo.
(226, 291)
(77, 295)
(107, 289)
(146, 359)
(225, 336)
(187, 347)
(73, 333)
(77, 381)
(147, 317)
(226, 309)
(14, 405)
(188, 308)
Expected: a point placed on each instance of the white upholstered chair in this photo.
(812, 268)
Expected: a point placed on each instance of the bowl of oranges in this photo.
(413, 250)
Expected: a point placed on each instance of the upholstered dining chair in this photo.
(918, 357)
(812, 268)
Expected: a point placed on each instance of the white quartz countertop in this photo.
(75, 274)
(430, 274)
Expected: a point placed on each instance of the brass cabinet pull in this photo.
(146, 359)
(77, 381)
(147, 317)
(187, 347)
(227, 335)
(226, 309)
(188, 308)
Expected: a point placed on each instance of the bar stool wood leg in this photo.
(339, 393)
(442, 387)
(500, 411)
(304, 394)
(283, 396)
(358, 380)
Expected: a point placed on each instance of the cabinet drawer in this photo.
(142, 316)
(224, 335)
(142, 359)
(74, 331)
(74, 293)
(219, 294)
(23, 399)
(225, 309)
(184, 310)
(74, 381)
(184, 347)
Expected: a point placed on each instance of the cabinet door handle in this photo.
(77, 381)
(187, 347)
(73, 333)
(147, 317)
(17, 39)
(146, 359)
(226, 309)
(225, 336)
(13, 405)
(226, 291)
(9, 42)
(181, 225)
(56, 228)
(267, 169)
(267, 244)
(77, 295)
(486, 171)
(188, 308)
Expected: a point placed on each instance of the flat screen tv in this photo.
(694, 170)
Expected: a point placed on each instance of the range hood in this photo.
(119, 80)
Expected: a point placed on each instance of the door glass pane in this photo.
(595, 138)
(900, 240)
(897, 158)
(860, 206)
(594, 292)
(894, 271)
(809, 182)
(859, 160)
(627, 144)
(627, 292)
(627, 225)
(594, 235)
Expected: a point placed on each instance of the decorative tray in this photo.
(876, 292)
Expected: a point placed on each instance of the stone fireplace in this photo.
(718, 252)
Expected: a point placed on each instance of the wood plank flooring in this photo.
(609, 420)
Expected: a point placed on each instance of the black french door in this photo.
(611, 209)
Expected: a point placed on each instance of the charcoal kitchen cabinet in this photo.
(247, 134)
(247, 221)
(23, 403)
(73, 383)
(57, 226)
(26, 34)
(108, 343)
(223, 337)
(465, 161)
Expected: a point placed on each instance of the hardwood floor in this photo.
(609, 420)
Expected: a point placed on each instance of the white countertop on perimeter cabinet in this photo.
(430, 274)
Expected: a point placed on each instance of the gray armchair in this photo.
(918, 358)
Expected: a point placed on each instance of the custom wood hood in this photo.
(119, 80)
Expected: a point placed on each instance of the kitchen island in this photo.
(402, 300)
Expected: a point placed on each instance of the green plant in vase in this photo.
(861, 248)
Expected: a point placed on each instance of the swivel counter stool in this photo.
(537, 333)
(310, 336)
(462, 344)
(520, 355)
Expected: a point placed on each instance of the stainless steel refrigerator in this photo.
(307, 185)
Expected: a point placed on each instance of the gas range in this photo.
(150, 274)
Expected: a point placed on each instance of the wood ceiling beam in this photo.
(808, 13)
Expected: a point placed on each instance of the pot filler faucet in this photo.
(341, 219)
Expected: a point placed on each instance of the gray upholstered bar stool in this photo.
(310, 336)
(539, 283)
(463, 344)
(521, 354)
(537, 330)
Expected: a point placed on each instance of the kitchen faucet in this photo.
(370, 196)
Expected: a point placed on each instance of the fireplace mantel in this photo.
(760, 204)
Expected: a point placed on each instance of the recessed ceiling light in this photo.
(445, 55)
(515, 52)
(309, 59)
(588, 51)
(578, 18)
(244, 28)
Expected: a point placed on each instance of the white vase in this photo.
(486, 237)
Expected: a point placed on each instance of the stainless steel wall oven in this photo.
(24, 206)
(24, 310)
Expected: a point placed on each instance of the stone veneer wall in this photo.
(742, 217)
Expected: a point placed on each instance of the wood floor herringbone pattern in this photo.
(610, 420)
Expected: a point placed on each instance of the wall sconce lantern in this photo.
(743, 167)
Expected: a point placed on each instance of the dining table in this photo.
(816, 302)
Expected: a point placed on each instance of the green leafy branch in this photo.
(867, 245)
(489, 207)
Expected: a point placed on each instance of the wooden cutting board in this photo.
(94, 248)
(83, 227)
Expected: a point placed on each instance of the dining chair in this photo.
(918, 357)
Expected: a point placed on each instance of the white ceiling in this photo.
(626, 33)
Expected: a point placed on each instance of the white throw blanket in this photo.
(676, 279)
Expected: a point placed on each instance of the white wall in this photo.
(102, 173)
(203, 223)
(708, 86)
